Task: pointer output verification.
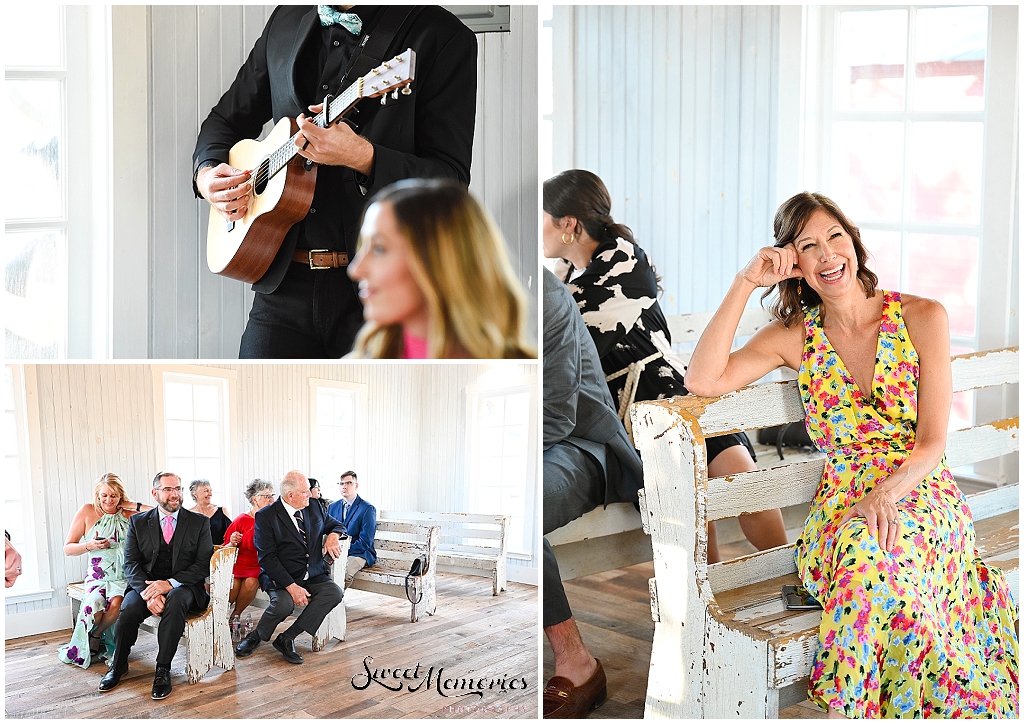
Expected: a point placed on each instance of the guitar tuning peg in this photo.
(387, 66)
(394, 94)
(406, 90)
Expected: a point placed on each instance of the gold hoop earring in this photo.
(572, 238)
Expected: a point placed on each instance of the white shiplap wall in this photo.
(194, 54)
(674, 108)
(100, 418)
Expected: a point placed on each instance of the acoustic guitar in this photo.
(283, 181)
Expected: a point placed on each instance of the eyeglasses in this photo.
(169, 490)
(264, 495)
(347, 482)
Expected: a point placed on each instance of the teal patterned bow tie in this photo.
(349, 21)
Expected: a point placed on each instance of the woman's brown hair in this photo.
(789, 222)
(458, 259)
(583, 196)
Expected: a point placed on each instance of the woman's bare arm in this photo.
(713, 369)
(79, 525)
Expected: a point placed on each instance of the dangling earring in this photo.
(799, 289)
(572, 238)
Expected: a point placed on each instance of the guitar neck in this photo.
(280, 158)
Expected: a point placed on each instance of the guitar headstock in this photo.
(390, 77)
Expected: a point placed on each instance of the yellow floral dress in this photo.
(926, 629)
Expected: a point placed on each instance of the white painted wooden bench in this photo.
(334, 625)
(397, 544)
(468, 541)
(723, 644)
(207, 635)
(608, 538)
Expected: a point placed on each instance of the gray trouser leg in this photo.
(573, 485)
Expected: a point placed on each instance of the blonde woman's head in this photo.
(432, 263)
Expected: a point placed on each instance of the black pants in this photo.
(178, 603)
(323, 597)
(573, 485)
(313, 314)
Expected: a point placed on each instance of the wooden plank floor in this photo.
(473, 635)
(613, 612)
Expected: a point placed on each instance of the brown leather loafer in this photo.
(562, 700)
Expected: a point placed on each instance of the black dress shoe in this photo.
(287, 649)
(112, 678)
(247, 645)
(162, 682)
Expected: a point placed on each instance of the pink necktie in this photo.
(168, 528)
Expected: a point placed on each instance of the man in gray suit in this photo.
(588, 461)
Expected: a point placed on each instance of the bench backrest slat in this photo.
(754, 568)
(689, 327)
(393, 526)
(982, 442)
(986, 369)
(475, 518)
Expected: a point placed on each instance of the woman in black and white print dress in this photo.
(616, 290)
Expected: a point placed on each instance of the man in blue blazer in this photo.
(291, 545)
(360, 521)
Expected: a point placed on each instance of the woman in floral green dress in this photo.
(98, 531)
(915, 624)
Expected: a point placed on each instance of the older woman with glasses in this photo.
(240, 534)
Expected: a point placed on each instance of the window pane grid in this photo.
(194, 434)
(335, 434)
(938, 192)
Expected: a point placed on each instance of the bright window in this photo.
(35, 194)
(196, 432)
(905, 146)
(503, 457)
(336, 435)
(23, 511)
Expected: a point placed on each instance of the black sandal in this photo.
(95, 652)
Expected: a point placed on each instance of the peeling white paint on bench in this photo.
(708, 661)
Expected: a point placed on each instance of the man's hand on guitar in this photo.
(338, 145)
(226, 188)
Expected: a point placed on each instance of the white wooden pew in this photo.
(207, 635)
(608, 538)
(724, 646)
(468, 540)
(397, 544)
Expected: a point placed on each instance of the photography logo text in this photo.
(423, 678)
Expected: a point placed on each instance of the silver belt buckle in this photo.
(317, 251)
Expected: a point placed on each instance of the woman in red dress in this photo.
(240, 534)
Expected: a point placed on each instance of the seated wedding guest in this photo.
(360, 521)
(616, 290)
(241, 535)
(201, 492)
(99, 528)
(166, 561)
(435, 279)
(12, 562)
(915, 623)
(588, 462)
(315, 494)
(294, 571)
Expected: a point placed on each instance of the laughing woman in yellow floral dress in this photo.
(915, 624)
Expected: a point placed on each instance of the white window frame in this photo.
(28, 430)
(228, 489)
(506, 385)
(808, 38)
(806, 85)
(329, 487)
(87, 173)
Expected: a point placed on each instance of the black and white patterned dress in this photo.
(617, 294)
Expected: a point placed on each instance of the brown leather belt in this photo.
(321, 258)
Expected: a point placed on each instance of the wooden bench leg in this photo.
(333, 627)
(500, 577)
(199, 647)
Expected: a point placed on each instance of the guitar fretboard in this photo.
(280, 158)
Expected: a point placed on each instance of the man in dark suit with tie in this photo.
(305, 305)
(588, 462)
(360, 521)
(291, 547)
(166, 562)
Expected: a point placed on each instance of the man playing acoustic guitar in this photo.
(305, 305)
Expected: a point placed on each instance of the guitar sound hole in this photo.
(262, 177)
